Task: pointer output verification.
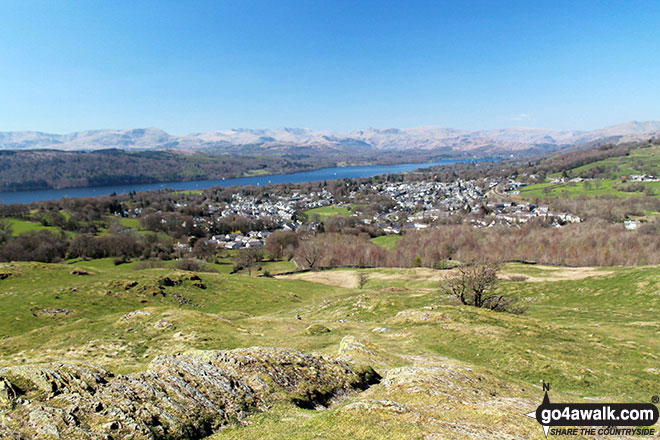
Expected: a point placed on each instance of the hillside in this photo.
(625, 171)
(447, 371)
(23, 170)
(45, 169)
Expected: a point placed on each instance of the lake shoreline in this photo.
(314, 175)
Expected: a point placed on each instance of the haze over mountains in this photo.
(516, 140)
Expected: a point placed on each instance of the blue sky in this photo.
(193, 66)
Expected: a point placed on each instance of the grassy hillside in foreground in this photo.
(591, 333)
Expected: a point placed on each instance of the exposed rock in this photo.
(151, 289)
(126, 285)
(135, 314)
(413, 316)
(52, 312)
(376, 405)
(447, 378)
(168, 282)
(317, 329)
(354, 351)
(49, 380)
(350, 344)
(163, 324)
(79, 272)
(178, 397)
(181, 299)
(381, 330)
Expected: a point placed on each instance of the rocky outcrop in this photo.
(376, 405)
(179, 396)
(418, 316)
(357, 352)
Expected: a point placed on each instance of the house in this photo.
(253, 243)
(631, 225)
(569, 218)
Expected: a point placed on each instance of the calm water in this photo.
(307, 176)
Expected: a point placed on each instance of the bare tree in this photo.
(362, 279)
(475, 285)
(6, 230)
(247, 258)
(281, 244)
(309, 253)
(204, 249)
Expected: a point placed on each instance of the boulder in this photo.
(317, 329)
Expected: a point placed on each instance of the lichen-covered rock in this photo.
(163, 324)
(5, 275)
(377, 405)
(381, 330)
(79, 272)
(135, 314)
(317, 329)
(357, 352)
(180, 396)
(49, 380)
(441, 377)
(419, 316)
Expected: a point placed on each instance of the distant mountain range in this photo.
(506, 141)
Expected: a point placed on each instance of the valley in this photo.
(328, 306)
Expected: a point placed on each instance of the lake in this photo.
(305, 176)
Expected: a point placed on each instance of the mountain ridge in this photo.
(513, 140)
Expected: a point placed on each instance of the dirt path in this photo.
(348, 277)
(553, 273)
(339, 278)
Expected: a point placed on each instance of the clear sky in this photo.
(192, 66)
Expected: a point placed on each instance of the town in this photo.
(385, 207)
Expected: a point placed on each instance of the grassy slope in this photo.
(639, 161)
(24, 226)
(593, 336)
(599, 187)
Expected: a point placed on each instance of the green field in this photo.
(131, 223)
(25, 226)
(591, 333)
(22, 226)
(327, 211)
(256, 172)
(386, 241)
(190, 191)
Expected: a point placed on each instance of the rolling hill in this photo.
(517, 140)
